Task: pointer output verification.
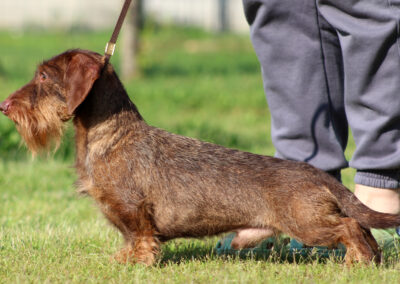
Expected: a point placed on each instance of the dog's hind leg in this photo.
(357, 241)
(373, 244)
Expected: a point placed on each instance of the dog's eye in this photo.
(42, 77)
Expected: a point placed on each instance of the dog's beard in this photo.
(40, 129)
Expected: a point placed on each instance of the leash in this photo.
(110, 46)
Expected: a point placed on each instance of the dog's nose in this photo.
(5, 106)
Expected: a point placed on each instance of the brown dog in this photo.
(155, 186)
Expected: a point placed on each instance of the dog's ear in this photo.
(82, 71)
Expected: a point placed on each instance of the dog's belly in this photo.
(196, 222)
(201, 211)
(184, 227)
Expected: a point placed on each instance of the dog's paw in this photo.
(147, 259)
(123, 256)
(128, 256)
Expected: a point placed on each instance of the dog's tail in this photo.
(366, 217)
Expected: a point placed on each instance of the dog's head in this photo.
(59, 86)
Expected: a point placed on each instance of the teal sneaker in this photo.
(282, 245)
(264, 249)
(299, 248)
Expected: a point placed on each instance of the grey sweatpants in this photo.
(327, 65)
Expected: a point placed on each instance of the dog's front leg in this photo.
(136, 226)
(142, 249)
(145, 248)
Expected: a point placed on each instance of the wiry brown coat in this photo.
(155, 186)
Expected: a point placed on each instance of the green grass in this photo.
(192, 83)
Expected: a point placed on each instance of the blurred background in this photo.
(211, 15)
(187, 64)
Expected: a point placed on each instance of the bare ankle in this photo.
(379, 199)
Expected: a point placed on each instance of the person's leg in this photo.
(369, 37)
(379, 199)
(302, 73)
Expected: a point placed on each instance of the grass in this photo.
(193, 83)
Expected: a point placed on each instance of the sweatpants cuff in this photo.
(389, 179)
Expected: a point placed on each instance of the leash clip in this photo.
(110, 48)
